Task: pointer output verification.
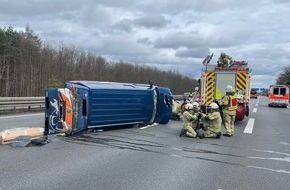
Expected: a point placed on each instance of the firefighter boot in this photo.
(218, 136)
(227, 135)
(201, 136)
(182, 132)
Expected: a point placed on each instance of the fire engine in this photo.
(215, 79)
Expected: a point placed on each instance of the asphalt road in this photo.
(256, 157)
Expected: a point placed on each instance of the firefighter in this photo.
(190, 119)
(176, 109)
(213, 130)
(229, 105)
(224, 60)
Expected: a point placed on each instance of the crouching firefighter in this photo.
(190, 120)
(213, 130)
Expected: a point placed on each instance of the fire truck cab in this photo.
(215, 79)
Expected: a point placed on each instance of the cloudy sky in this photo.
(168, 34)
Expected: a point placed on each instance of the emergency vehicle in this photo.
(82, 105)
(254, 93)
(279, 95)
(215, 79)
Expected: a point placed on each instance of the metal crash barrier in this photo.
(13, 103)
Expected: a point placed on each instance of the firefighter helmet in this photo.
(229, 88)
(213, 106)
(195, 104)
(189, 106)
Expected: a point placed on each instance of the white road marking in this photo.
(174, 148)
(258, 99)
(174, 155)
(255, 110)
(15, 116)
(250, 126)
(269, 169)
(256, 105)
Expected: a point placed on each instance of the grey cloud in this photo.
(194, 52)
(145, 41)
(28, 8)
(177, 40)
(172, 34)
(124, 25)
(152, 21)
(127, 25)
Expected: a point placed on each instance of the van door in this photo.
(164, 105)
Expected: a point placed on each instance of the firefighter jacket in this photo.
(176, 108)
(190, 119)
(224, 62)
(229, 104)
(215, 121)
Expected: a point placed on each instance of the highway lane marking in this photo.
(174, 155)
(15, 116)
(250, 126)
(269, 169)
(255, 110)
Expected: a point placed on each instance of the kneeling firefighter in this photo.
(190, 119)
(213, 130)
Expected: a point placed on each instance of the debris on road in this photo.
(16, 135)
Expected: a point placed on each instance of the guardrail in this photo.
(13, 103)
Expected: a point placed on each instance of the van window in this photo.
(47, 102)
(84, 110)
(166, 101)
(282, 91)
(276, 91)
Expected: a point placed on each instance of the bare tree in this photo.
(284, 76)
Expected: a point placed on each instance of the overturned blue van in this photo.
(81, 105)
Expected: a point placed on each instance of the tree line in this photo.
(284, 76)
(28, 66)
